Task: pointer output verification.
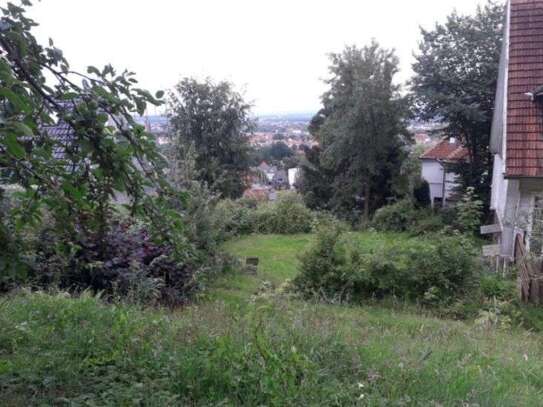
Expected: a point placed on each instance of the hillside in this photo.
(237, 348)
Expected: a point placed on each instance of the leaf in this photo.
(23, 129)
(93, 70)
(14, 147)
(159, 94)
(15, 100)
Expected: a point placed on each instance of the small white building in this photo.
(436, 169)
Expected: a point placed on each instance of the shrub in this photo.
(493, 285)
(431, 270)
(234, 218)
(286, 216)
(427, 222)
(397, 217)
(469, 212)
(322, 266)
(403, 216)
(323, 219)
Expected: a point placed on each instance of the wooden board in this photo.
(491, 250)
(490, 229)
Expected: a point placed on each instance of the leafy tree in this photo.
(74, 179)
(456, 72)
(315, 183)
(275, 153)
(213, 120)
(359, 130)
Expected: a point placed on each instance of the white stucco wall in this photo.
(499, 187)
(432, 172)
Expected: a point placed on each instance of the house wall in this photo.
(432, 172)
(499, 187)
(517, 219)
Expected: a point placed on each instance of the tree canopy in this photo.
(361, 132)
(212, 119)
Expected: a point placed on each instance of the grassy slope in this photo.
(278, 256)
(270, 351)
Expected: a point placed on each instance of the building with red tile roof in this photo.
(517, 130)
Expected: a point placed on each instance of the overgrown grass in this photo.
(60, 351)
(237, 349)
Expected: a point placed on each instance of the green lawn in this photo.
(236, 349)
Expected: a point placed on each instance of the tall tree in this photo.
(213, 120)
(359, 130)
(456, 72)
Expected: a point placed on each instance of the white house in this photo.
(517, 133)
(436, 169)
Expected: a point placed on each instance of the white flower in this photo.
(360, 385)
(361, 397)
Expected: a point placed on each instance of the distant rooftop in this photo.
(448, 149)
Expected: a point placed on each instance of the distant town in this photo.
(291, 129)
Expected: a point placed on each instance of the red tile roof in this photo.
(525, 117)
(446, 150)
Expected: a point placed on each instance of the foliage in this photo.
(235, 217)
(456, 73)
(421, 194)
(213, 119)
(286, 216)
(429, 271)
(469, 211)
(398, 217)
(359, 130)
(315, 183)
(74, 178)
(275, 153)
(323, 268)
(405, 216)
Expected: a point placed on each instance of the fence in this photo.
(530, 277)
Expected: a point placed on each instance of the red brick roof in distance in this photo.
(524, 116)
(448, 149)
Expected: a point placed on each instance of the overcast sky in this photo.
(274, 51)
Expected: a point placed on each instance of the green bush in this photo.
(322, 267)
(288, 215)
(403, 216)
(234, 218)
(433, 270)
(493, 285)
(397, 217)
(469, 212)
